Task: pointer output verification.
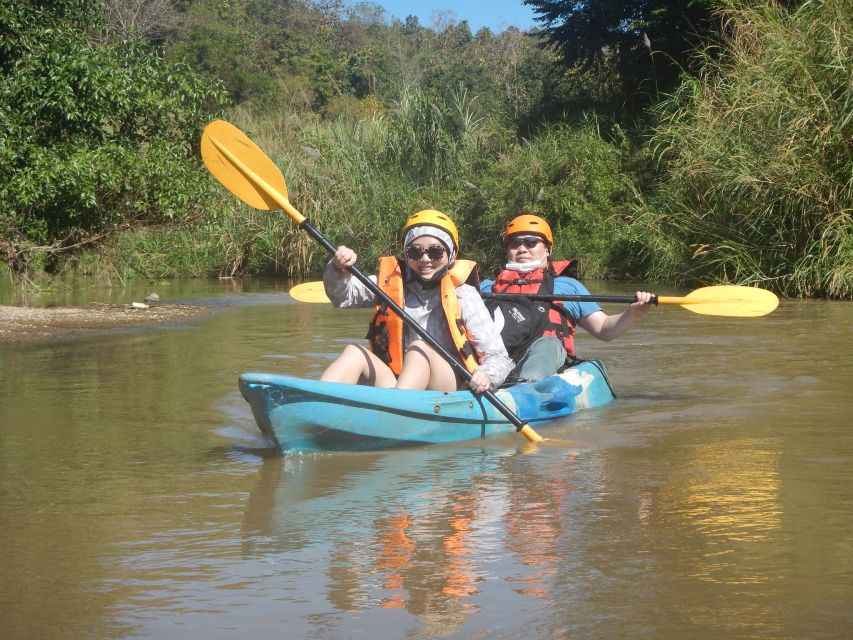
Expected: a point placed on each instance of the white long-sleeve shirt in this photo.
(346, 291)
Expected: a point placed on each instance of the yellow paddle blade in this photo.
(309, 292)
(727, 300)
(221, 144)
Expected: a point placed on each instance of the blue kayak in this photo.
(301, 415)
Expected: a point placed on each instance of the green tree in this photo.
(95, 133)
(648, 43)
(221, 42)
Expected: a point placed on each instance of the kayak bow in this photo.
(300, 415)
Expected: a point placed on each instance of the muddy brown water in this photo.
(712, 499)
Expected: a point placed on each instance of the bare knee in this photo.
(354, 351)
(357, 364)
(360, 359)
(424, 368)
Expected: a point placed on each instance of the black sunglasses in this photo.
(529, 242)
(434, 252)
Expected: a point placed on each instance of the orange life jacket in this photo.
(526, 320)
(387, 328)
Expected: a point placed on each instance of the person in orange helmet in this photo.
(539, 336)
(434, 288)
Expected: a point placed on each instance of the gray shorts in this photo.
(543, 358)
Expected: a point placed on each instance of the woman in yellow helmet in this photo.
(435, 289)
(539, 335)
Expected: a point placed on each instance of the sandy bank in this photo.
(27, 324)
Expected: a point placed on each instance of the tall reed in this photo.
(759, 157)
(358, 180)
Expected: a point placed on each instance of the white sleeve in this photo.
(486, 340)
(345, 290)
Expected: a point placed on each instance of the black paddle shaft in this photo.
(556, 297)
(458, 367)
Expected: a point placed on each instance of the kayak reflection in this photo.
(415, 530)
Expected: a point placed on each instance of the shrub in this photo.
(95, 135)
(758, 155)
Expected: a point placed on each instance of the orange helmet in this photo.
(528, 223)
(433, 218)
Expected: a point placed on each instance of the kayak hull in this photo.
(300, 415)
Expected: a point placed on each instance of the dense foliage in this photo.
(646, 45)
(304, 56)
(97, 133)
(758, 157)
(741, 173)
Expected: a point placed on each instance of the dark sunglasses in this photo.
(434, 252)
(515, 243)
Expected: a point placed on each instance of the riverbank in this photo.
(29, 324)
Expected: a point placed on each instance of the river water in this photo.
(712, 499)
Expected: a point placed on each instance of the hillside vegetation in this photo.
(729, 161)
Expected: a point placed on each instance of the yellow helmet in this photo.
(433, 218)
(528, 223)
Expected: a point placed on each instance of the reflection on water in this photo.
(729, 493)
(712, 499)
(421, 531)
(533, 523)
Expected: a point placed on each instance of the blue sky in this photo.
(497, 15)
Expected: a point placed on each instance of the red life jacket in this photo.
(386, 328)
(526, 320)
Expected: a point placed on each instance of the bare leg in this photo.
(423, 368)
(357, 364)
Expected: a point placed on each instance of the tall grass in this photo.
(570, 176)
(357, 180)
(759, 156)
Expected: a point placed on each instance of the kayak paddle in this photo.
(247, 172)
(722, 300)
